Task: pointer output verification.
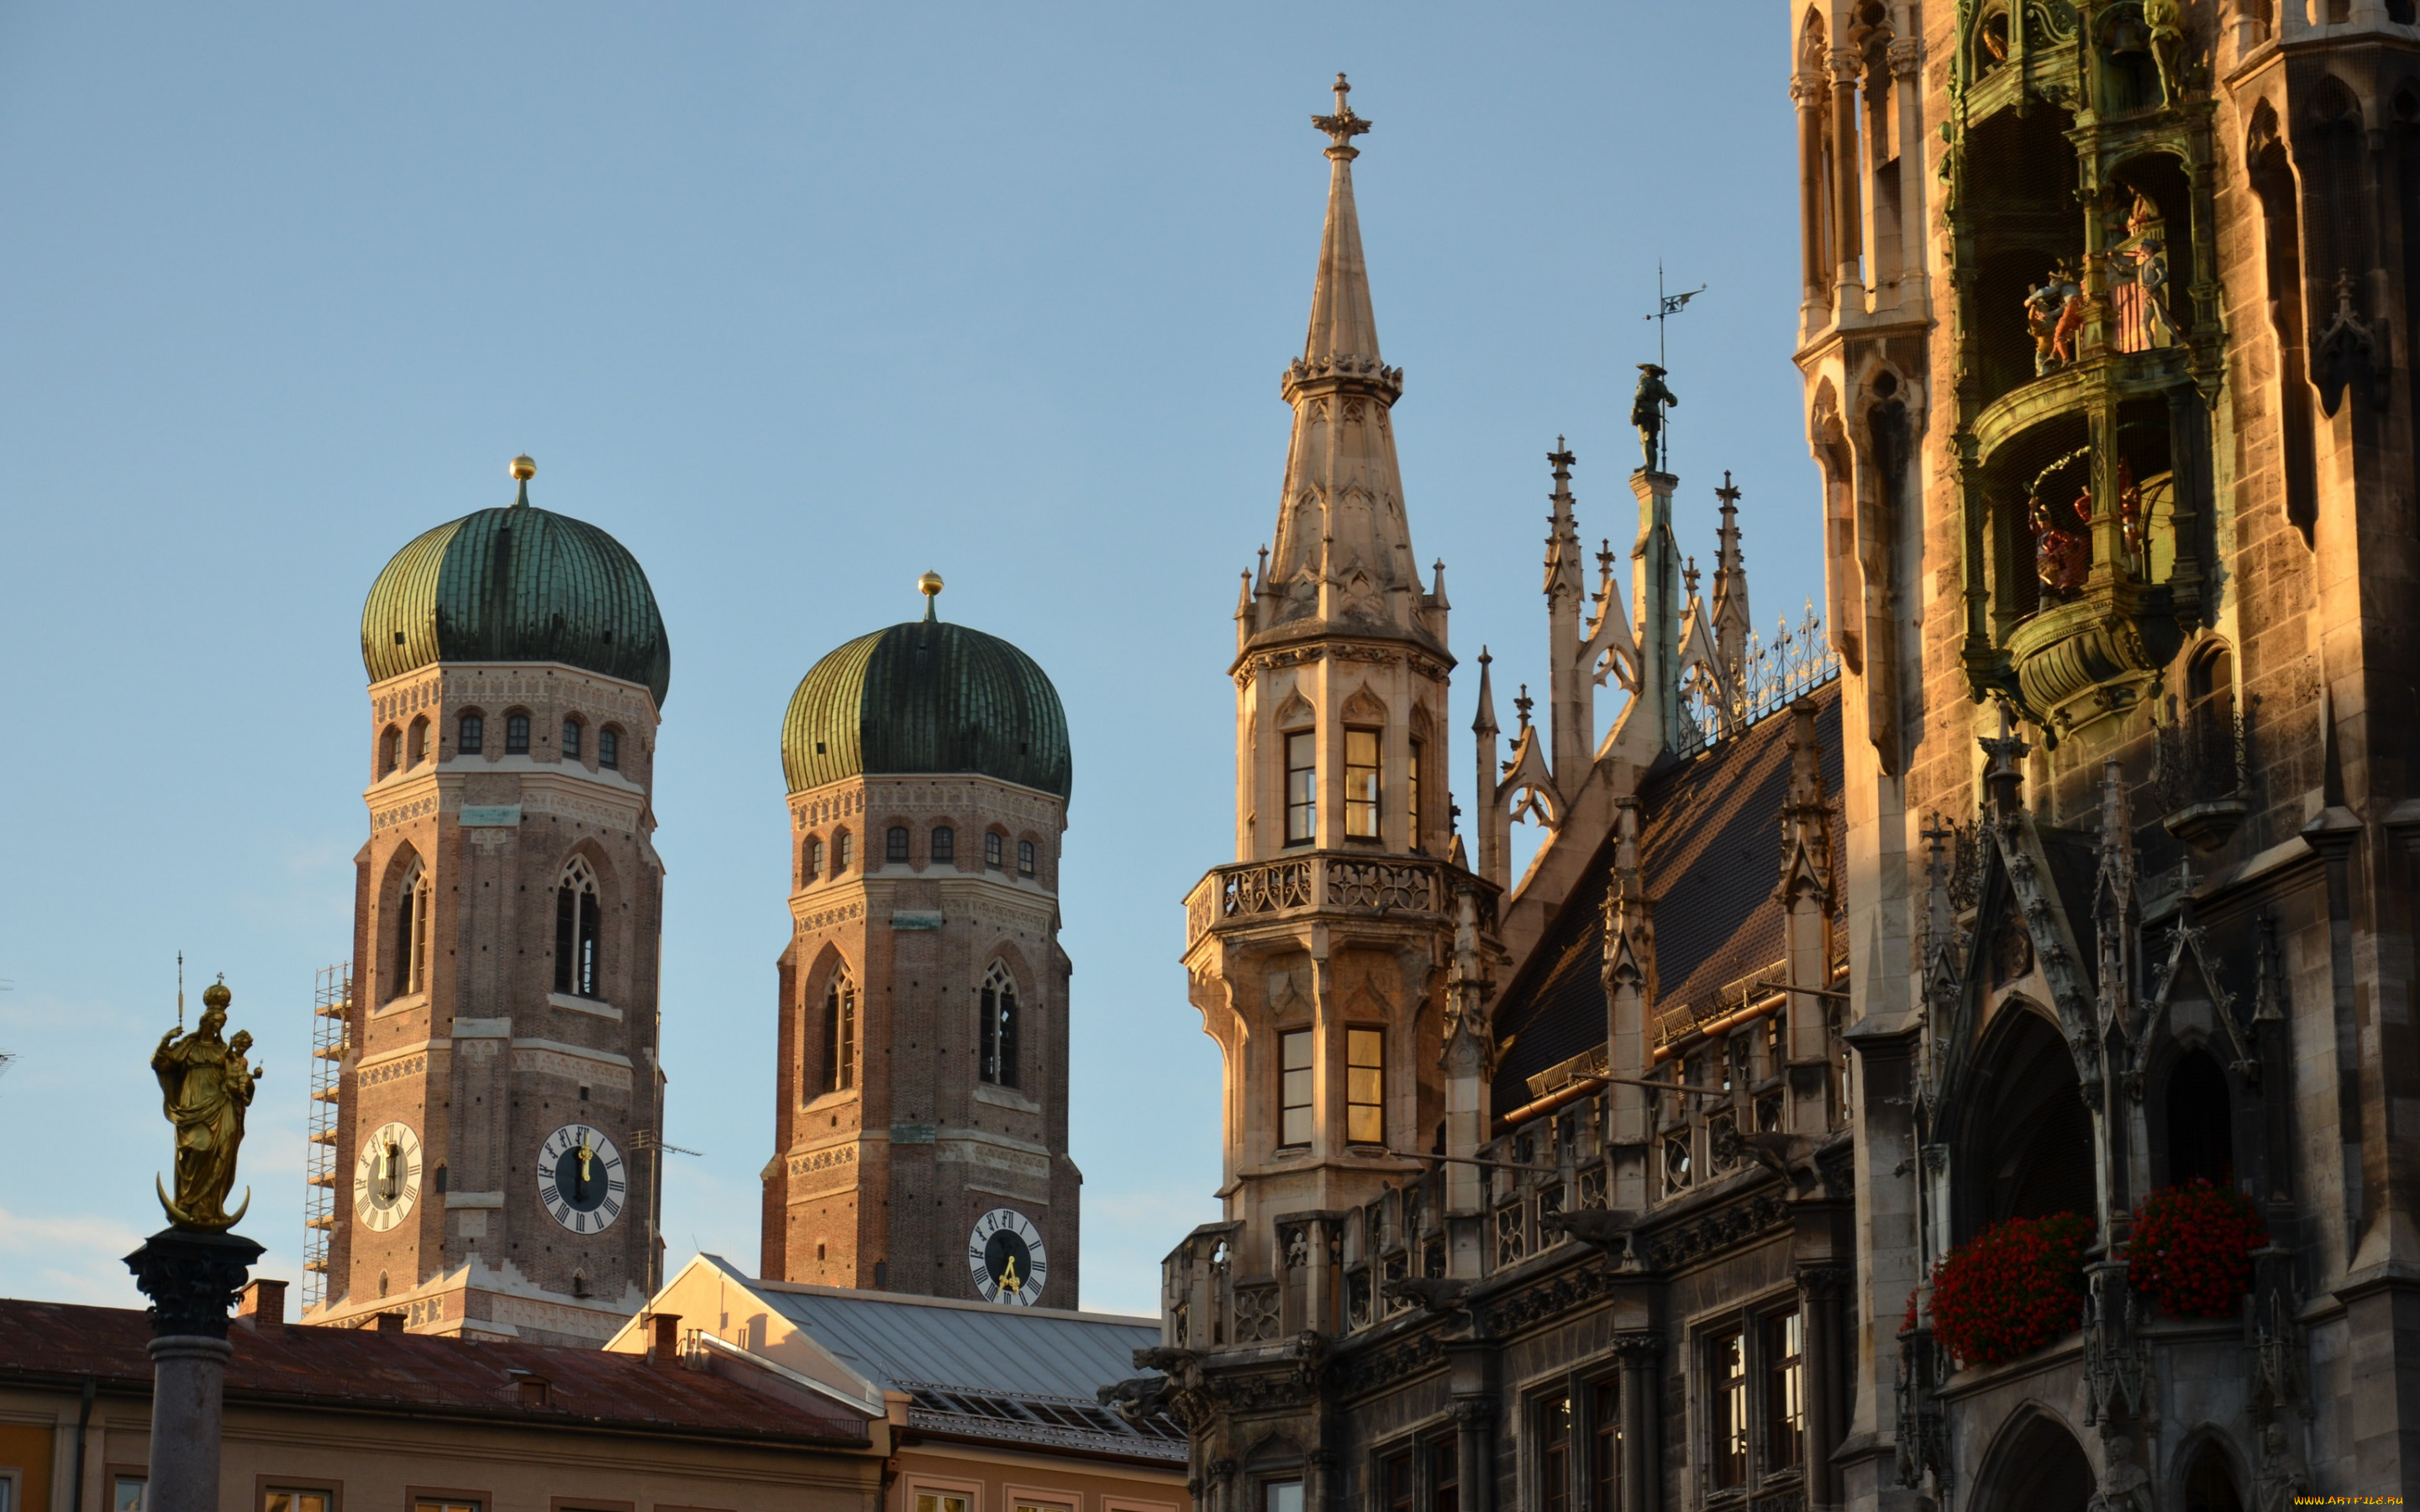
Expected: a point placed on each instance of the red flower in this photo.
(2191, 1249)
(2011, 1289)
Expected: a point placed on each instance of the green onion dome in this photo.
(516, 584)
(926, 696)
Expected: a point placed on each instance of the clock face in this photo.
(581, 1179)
(1006, 1257)
(386, 1178)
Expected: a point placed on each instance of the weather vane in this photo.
(1650, 389)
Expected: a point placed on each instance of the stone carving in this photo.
(2138, 281)
(2053, 314)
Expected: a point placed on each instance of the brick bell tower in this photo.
(497, 1170)
(921, 1116)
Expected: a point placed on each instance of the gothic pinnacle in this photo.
(1343, 126)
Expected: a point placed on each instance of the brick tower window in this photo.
(1025, 859)
(472, 736)
(571, 737)
(412, 933)
(516, 734)
(840, 1033)
(895, 843)
(945, 843)
(998, 1008)
(609, 747)
(390, 752)
(579, 967)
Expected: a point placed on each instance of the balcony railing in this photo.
(1327, 881)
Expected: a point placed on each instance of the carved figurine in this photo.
(2138, 281)
(2061, 557)
(2053, 311)
(205, 1087)
(2166, 20)
(1646, 412)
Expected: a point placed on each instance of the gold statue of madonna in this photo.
(206, 1084)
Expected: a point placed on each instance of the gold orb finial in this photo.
(930, 586)
(524, 466)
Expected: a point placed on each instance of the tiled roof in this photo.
(365, 1371)
(1710, 834)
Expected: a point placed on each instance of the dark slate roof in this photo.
(1710, 851)
(926, 696)
(365, 1371)
(516, 584)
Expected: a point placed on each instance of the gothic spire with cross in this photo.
(1342, 553)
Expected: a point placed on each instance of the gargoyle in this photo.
(1607, 1231)
(1433, 1293)
(1789, 1156)
(1137, 1400)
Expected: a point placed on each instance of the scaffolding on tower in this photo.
(332, 1003)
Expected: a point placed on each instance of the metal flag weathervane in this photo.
(1666, 306)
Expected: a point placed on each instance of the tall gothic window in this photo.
(416, 744)
(1727, 1373)
(998, 1028)
(578, 969)
(844, 852)
(1605, 1446)
(1294, 1088)
(1302, 787)
(1785, 1391)
(516, 735)
(473, 737)
(1555, 1454)
(412, 933)
(840, 1033)
(814, 859)
(1412, 796)
(1365, 1075)
(390, 751)
(1361, 784)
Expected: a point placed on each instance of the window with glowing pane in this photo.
(1282, 1496)
(1412, 796)
(289, 1501)
(1361, 784)
(937, 1502)
(1727, 1360)
(1785, 1391)
(1294, 1057)
(1555, 1454)
(1365, 1079)
(1302, 787)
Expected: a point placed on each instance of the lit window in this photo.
(449, 1503)
(940, 1502)
(516, 735)
(1412, 795)
(609, 746)
(1025, 859)
(1604, 1446)
(1293, 1102)
(998, 1027)
(577, 968)
(412, 933)
(1727, 1374)
(126, 1493)
(474, 736)
(1677, 1174)
(1555, 1454)
(840, 1034)
(1365, 1111)
(945, 843)
(1301, 787)
(991, 848)
(1785, 1393)
(844, 852)
(417, 749)
(390, 751)
(1281, 1496)
(1361, 784)
(895, 844)
(283, 1500)
(571, 737)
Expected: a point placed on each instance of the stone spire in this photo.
(1344, 549)
(1732, 622)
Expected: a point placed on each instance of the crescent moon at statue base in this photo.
(183, 1220)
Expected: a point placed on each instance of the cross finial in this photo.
(1524, 704)
(1343, 126)
(1728, 495)
(1561, 458)
(1689, 576)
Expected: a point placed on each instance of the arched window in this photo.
(516, 734)
(2201, 1122)
(1361, 784)
(991, 847)
(1301, 787)
(1025, 859)
(945, 843)
(844, 852)
(417, 743)
(840, 1033)
(577, 968)
(412, 933)
(471, 739)
(811, 863)
(609, 747)
(570, 738)
(895, 844)
(390, 751)
(998, 1008)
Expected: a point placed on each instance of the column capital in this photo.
(193, 1278)
(1824, 1281)
(1639, 1352)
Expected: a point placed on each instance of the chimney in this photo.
(264, 1302)
(663, 1338)
(390, 1323)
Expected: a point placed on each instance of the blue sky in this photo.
(797, 302)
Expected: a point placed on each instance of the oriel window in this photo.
(571, 737)
(998, 1008)
(1294, 1088)
(609, 747)
(579, 970)
(840, 1033)
(516, 735)
(1365, 1101)
(1361, 784)
(1302, 787)
(1555, 1454)
(472, 736)
(1785, 1391)
(945, 843)
(1727, 1375)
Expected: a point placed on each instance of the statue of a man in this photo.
(205, 1087)
(1647, 411)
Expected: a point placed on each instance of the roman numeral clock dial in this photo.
(581, 1179)
(386, 1177)
(1006, 1259)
